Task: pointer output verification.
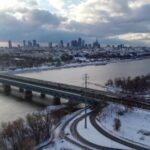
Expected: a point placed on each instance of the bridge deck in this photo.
(67, 91)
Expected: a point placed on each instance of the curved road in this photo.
(76, 134)
(92, 116)
(63, 136)
(121, 141)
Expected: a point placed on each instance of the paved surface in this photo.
(121, 141)
(62, 135)
(76, 134)
(84, 143)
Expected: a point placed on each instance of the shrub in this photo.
(117, 124)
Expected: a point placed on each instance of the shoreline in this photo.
(71, 65)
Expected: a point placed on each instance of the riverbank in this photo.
(71, 65)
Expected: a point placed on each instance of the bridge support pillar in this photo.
(43, 95)
(7, 89)
(21, 90)
(57, 101)
(28, 95)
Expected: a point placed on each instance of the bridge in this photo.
(59, 90)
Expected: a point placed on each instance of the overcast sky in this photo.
(111, 21)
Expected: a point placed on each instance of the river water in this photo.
(97, 74)
(11, 108)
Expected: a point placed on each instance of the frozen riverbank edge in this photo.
(67, 66)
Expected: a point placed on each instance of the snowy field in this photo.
(95, 136)
(92, 135)
(60, 143)
(135, 123)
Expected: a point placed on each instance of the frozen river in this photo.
(11, 108)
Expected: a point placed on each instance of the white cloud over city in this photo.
(115, 21)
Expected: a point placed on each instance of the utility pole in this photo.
(85, 100)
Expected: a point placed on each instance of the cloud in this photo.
(32, 2)
(58, 4)
(41, 17)
(101, 23)
(116, 20)
(32, 24)
(98, 10)
(134, 36)
(138, 3)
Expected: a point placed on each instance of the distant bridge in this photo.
(59, 90)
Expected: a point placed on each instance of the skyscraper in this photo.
(68, 45)
(61, 44)
(83, 44)
(96, 44)
(50, 44)
(74, 43)
(79, 42)
(29, 44)
(34, 43)
(24, 43)
(9, 44)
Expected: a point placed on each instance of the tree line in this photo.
(25, 134)
(136, 84)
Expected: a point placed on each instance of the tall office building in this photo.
(74, 43)
(61, 44)
(9, 44)
(24, 43)
(68, 45)
(83, 44)
(79, 42)
(34, 43)
(50, 44)
(96, 44)
(29, 44)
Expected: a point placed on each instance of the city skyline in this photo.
(111, 21)
(76, 43)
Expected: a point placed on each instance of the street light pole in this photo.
(85, 100)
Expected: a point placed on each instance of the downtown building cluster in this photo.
(76, 43)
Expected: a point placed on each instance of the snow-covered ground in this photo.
(135, 123)
(68, 127)
(113, 89)
(69, 65)
(59, 143)
(46, 67)
(50, 108)
(92, 135)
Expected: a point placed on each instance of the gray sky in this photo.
(111, 21)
